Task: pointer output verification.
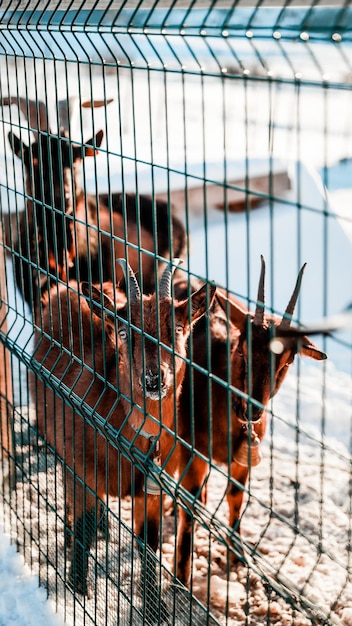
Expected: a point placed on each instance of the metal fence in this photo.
(133, 425)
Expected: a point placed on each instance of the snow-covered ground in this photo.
(22, 601)
(206, 120)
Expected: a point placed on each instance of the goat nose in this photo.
(245, 414)
(151, 381)
(256, 415)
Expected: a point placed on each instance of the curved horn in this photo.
(287, 317)
(258, 319)
(130, 278)
(165, 280)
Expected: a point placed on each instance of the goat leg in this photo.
(68, 530)
(103, 521)
(195, 484)
(184, 547)
(148, 510)
(84, 532)
(235, 493)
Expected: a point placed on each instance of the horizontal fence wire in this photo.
(154, 469)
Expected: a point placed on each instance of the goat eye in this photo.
(123, 334)
(179, 329)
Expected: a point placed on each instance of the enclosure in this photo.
(217, 132)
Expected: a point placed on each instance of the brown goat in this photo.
(46, 245)
(133, 355)
(68, 234)
(229, 427)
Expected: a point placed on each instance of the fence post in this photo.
(6, 392)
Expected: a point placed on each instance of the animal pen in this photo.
(135, 388)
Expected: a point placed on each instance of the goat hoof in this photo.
(238, 557)
(184, 580)
(157, 614)
(103, 524)
(78, 586)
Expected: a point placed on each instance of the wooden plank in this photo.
(6, 391)
(260, 188)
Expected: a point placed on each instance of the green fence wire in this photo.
(133, 443)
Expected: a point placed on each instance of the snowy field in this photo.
(305, 474)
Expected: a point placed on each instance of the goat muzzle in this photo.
(240, 409)
(152, 390)
(155, 384)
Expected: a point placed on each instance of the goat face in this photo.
(153, 332)
(159, 351)
(257, 372)
(51, 163)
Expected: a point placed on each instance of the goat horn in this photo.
(130, 278)
(165, 280)
(287, 318)
(34, 110)
(258, 318)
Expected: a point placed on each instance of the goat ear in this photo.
(99, 138)
(201, 301)
(97, 300)
(308, 348)
(17, 146)
(91, 149)
(238, 315)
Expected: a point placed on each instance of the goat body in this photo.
(214, 419)
(66, 234)
(126, 361)
(47, 243)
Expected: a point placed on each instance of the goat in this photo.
(46, 243)
(133, 355)
(227, 424)
(67, 234)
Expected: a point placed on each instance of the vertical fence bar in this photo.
(197, 91)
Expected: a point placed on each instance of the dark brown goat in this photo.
(229, 428)
(47, 244)
(134, 364)
(68, 234)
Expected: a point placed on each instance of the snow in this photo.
(22, 602)
(308, 445)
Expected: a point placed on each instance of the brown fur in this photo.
(215, 430)
(75, 329)
(79, 238)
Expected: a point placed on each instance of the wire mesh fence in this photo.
(167, 456)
